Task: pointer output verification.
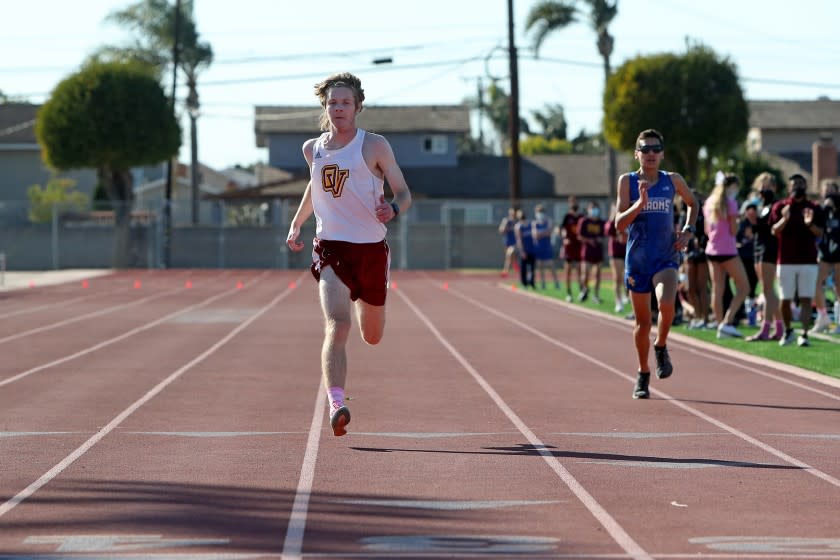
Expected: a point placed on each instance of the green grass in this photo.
(822, 357)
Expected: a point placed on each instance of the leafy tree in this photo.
(694, 99)
(154, 23)
(745, 165)
(498, 111)
(549, 16)
(58, 194)
(585, 143)
(110, 117)
(552, 121)
(535, 144)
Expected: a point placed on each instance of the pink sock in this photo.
(336, 396)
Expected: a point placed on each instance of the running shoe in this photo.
(339, 419)
(728, 330)
(822, 323)
(584, 294)
(787, 339)
(802, 341)
(641, 390)
(664, 368)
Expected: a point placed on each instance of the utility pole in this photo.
(515, 170)
(167, 205)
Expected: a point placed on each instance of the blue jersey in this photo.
(526, 235)
(544, 250)
(650, 237)
(509, 235)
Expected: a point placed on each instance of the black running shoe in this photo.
(339, 419)
(664, 368)
(641, 391)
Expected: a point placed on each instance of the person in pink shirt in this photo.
(720, 214)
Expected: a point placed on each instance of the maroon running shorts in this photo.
(363, 267)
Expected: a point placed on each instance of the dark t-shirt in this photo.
(829, 246)
(797, 245)
(745, 239)
(571, 242)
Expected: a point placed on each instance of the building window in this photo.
(436, 144)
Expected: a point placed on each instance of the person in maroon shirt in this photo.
(797, 223)
(567, 230)
(591, 234)
(617, 249)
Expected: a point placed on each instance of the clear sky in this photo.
(271, 52)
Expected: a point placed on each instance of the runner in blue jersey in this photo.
(525, 246)
(506, 229)
(646, 212)
(543, 250)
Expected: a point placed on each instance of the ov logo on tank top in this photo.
(333, 179)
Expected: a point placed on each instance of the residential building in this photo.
(792, 134)
(22, 164)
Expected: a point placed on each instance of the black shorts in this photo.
(720, 258)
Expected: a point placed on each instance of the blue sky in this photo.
(272, 52)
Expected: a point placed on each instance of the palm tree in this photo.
(154, 22)
(549, 16)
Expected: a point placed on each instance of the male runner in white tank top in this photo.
(348, 167)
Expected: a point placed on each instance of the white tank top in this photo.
(345, 193)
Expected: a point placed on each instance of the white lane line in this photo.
(616, 531)
(120, 418)
(672, 400)
(293, 543)
(90, 315)
(123, 336)
(708, 350)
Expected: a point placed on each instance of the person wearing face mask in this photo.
(829, 256)
(797, 223)
(766, 248)
(720, 216)
(506, 229)
(591, 233)
(567, 230)
(543, 251)
(526, 247)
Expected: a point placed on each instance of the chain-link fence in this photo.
(433, 234)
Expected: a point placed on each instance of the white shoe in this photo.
(822, 323)
(786, 340)
(696, 324)
(802, 341)
(710, 325)
(728, 330)
(619, 308)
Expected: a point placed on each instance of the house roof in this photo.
(17, 123)
(379, 119)
(475, 177)
(822, 114)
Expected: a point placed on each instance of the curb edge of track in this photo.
(691, 341)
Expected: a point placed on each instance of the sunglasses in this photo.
(656, 149)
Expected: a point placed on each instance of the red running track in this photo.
(186, 421)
